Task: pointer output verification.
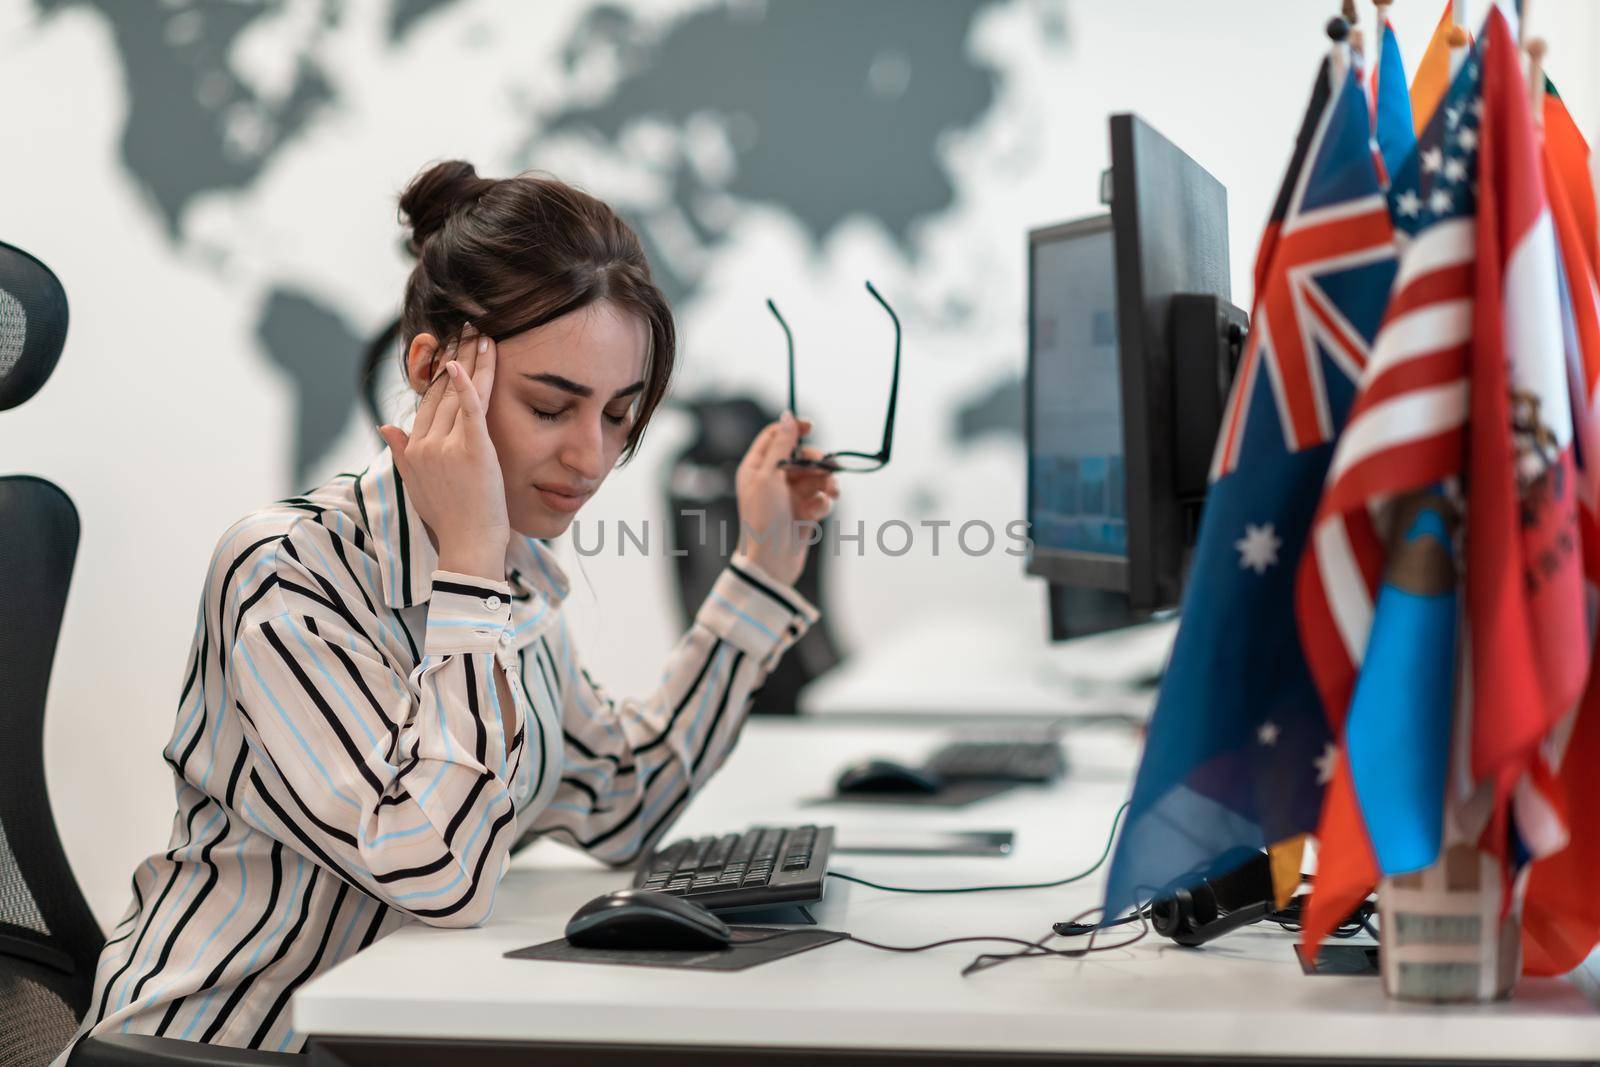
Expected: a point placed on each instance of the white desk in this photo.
(449, 996)
(955, 664)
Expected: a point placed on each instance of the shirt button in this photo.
(492, 603)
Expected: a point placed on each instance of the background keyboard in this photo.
(998, 761)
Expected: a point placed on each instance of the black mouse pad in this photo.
(752, 946)
(954, 795)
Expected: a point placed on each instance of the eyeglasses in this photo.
(850, 462)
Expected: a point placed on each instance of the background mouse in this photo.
(642, 919)
(887, 776)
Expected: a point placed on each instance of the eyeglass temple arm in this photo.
(789, 338)
(894, 381)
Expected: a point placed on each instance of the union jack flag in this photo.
(1329, 221)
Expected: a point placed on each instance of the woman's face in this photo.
(563, 401)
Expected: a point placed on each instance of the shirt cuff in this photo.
(753, 611)
(466, 613)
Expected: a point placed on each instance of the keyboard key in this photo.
(695, 855)
(740, 856)
(718, 856)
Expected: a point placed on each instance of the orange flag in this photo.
(1428, 85)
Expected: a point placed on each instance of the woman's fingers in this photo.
(483, 374)
(803, 481)
(785, 436)
(756, 458)
(466, 394)
(438, 389)
(813, 507)
(396, 439)
(444, 418)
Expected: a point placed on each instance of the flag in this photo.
(1561, 911)
(1567, 155)
(1381, 643)
(1432, 79)
(1525, 598)
(1391, 103)
(1231, 763)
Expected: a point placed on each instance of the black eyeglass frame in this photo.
(830, 462)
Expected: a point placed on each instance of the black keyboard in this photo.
(998, 761)
(763, 867)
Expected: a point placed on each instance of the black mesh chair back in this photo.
(33, 324)
(49, 940)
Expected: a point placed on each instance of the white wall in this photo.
(165, 422)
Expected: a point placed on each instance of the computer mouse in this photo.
(887, 776)
(643, 919)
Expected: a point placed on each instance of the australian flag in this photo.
(1239, 748)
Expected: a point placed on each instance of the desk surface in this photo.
(954, 665)
(1242, 996)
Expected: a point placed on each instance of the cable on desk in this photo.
(1110, 838)
(1036, 949)
(1074, 928)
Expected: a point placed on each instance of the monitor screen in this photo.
(1078, 495)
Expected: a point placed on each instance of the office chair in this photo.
(702, 502)
(49, 939)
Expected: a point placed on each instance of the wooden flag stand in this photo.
(1441, 934)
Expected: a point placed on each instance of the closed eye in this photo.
(560, 413)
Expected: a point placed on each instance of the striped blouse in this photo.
(341, 766)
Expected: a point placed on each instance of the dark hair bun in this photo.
(436, 194)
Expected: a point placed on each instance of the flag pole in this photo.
(1458, 37)
(1352, 18)
(1338, 30)
(1537, 49)
(1382, 7)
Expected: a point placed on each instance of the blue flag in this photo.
(1391, 104)
(1238, 746)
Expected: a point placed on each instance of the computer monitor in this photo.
(1131, 345)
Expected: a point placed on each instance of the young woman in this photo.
(382, 695)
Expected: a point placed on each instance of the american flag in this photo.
(1404, 430)
(1405, 434)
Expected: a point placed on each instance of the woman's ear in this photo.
(421, 358)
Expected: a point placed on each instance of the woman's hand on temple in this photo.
(774, 500)
(449, 464)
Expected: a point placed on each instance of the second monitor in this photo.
(1131, 345)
